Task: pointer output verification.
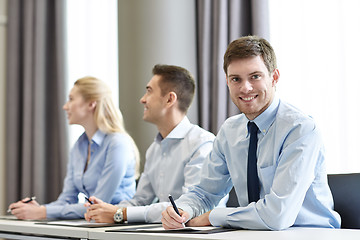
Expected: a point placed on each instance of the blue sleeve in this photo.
(145, 193)
(68, 195)
(193, 167)
(214, 184)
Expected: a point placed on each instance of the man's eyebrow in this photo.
(238, 75)
(233, 75)
(256, 72)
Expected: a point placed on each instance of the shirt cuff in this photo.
(53, 211)
(187, 209)
(136, 214)
(218, 217)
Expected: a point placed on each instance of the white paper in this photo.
(74, 223)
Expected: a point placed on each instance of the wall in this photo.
(3, 19)
(152, 32)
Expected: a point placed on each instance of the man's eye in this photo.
(255, 76)
(235, 79)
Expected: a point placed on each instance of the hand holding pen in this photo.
(23, 201)
(28, 209)
(87, 199)
(175, 207)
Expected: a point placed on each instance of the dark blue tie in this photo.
(252, 175)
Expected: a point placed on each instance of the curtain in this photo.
(218, 23)
(36, 150)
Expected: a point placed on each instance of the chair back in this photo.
(345, 189)
(232, 201)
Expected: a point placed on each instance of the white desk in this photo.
(290, 234)
(29, 228)
(33, 229)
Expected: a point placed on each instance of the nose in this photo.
(246, 87)
(65, 106)
(142, 99)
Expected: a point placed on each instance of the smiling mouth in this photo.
(248, 98)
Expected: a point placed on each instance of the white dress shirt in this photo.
(172, 165)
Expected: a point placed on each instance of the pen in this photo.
(27, 201)
(88, 200)
(175, 207)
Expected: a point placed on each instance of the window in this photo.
(92, 46)
(317, 49)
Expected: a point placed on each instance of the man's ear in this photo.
(275, 77)
(172, 98)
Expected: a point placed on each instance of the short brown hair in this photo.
(250, 46)
(178, 80)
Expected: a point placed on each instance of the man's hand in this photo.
(200, 221)
(29, 211)
(100, 211)
(171, 220)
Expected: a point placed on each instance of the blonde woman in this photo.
(102, 161)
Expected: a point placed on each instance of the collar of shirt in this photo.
(97, 138)
(265, 119)
(178, 132)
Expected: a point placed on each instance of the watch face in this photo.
(118, 216)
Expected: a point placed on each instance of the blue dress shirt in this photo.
(291, 170)
(109, 175)
(172, 165)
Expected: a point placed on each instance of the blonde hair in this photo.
(108, 118)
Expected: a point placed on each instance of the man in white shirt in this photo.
(174, 159)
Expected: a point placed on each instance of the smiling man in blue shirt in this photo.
(292, 180)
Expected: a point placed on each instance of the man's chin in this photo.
(146, 119)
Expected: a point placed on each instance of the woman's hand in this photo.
(29, 211)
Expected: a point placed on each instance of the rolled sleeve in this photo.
(228, 217)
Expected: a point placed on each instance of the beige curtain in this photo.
(36, 149)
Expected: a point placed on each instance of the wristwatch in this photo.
(119, 216)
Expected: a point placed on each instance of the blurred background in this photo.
(46, 45)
